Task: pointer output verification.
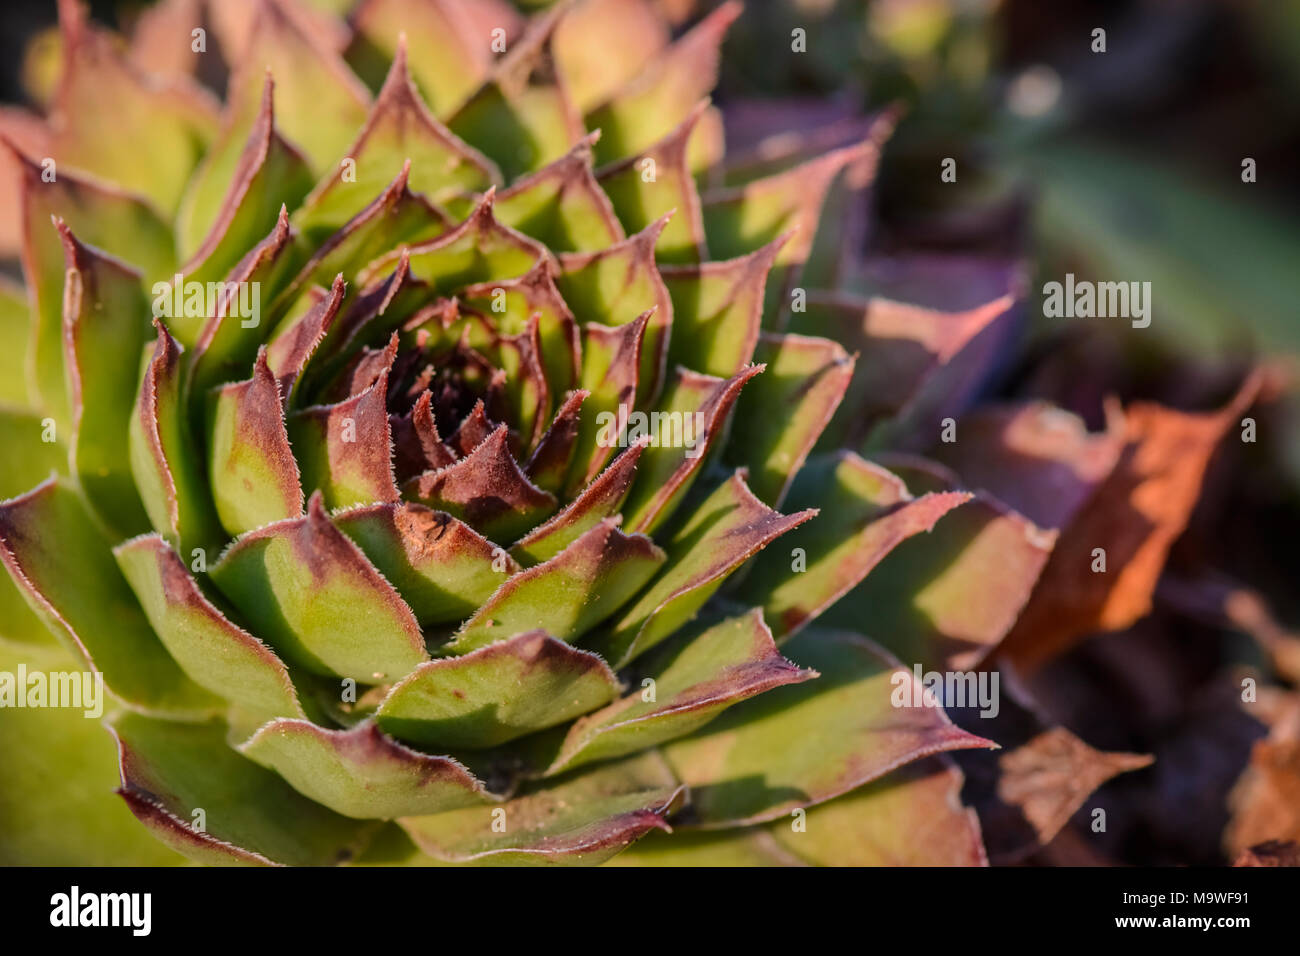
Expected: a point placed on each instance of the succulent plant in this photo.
(489, 480)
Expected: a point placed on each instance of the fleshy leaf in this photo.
(345, 450)
(251, 816)
(361, 772)
(300, 334)
(658, 181)
(717, 310)
(312, 595)
(802, 745)
(103, 335)
(253, 474)
(911, 817)
(441, 566)
(781, 414)
(236, 197)
(549, 462)
(107, 115)
(693, 417)
(487, 489)
(599, 500)
(617, 285)
(955, 591)
(725, 530)
(216, 654)
(562, 206)
(449, 57)
(520, 117)
(600, 45)
(567, 595)
(580, 819)
(745, 846)
(64, 569)
(166, 465)
(658, 98)
(702, 676)
(15, 322)
(868, 512)
(496, 693)
(101, 217)
(400, 128)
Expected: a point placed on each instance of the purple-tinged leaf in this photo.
(599, 500)
(345, 450)
(718, 309)
(362, 772)
(657, 181)
(550, 460)
(577, 820)
(799, 746)
(617, 285)
(251, 468)
(313, 595)
(65, 571)
(707, 672)
(729, 527)
(251, 816)
(867, 512)
(400, 128)
(692, 420)
(783, 412)
(497, 693)
(103, 336)
(527, 393)
(442, 567)
(562, 206)
(567, 595)
(300, 334)
(216, 654)
(486, 489)
(166, 465)
(658, 98)
(417, 446)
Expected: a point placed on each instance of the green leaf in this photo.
(658, 181)
(56, 795)
(600, 45)
(750, 846)
(166, 466)
(616, 286)
(562, 206)
(657, 99)
(362, 773)
(300, 335)
(692, 421)
(107, 115)
(580, 819)
(868, 512)
(314, 597)
(216, 654)
(400, 129)
(497, 693)
(706, 671)
(567, 595)
(911, 817)
(729, 527)
(782, 413)
(441, 566)
(15, 319)
(550, 461)
(251, 816)
(64, 569)
(798, 746)
(958, 589)
(253, 474)
(101, 216)
(717, 311)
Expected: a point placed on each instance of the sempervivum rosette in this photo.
(438, 468)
